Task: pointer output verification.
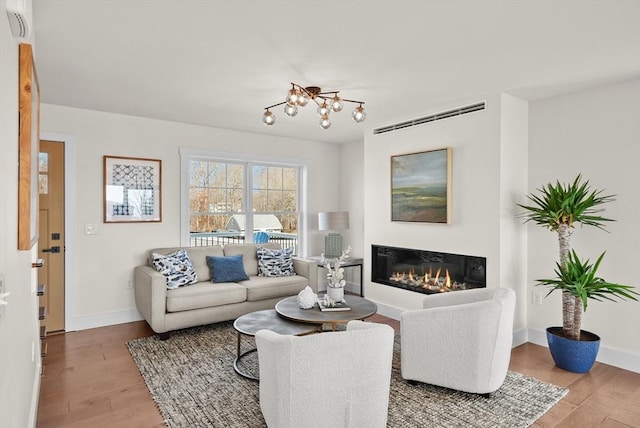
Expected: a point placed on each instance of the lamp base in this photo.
(333, 245)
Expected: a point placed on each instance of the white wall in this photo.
(514, 138)
(19, 369)
(595, 132)
(475, 229)
(105, 261)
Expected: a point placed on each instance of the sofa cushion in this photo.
(176, 268)
(204, 295)
(275, 262)
(264, 287)
(249, 255)
(227, 269)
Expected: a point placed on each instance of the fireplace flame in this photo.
(439, 282)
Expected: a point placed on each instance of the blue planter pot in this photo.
(576, 356)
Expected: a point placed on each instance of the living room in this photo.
(500, 154)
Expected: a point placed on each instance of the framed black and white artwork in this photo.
(132, 189)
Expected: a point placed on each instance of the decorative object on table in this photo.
(327, 304)
(307, 298)
(558, 207)
(335, 275)
(132, 189)
(28, 149)
(333, 221)
(421, 186)
(327, 101)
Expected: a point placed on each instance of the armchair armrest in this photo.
(308, 269)
(150, 289)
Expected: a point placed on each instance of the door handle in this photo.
(51, 250)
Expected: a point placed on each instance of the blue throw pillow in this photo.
(226, 269)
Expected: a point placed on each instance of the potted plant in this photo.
(558, 207)
(577, 350)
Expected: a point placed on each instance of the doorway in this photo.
(51, 241)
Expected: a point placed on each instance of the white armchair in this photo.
(459, 340)
(337, 379)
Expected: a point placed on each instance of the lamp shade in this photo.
(333, 220)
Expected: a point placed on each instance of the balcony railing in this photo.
(205, 239)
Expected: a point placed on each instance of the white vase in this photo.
(336, 294)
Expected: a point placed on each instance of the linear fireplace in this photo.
(426, 272)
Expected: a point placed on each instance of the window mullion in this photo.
(248, 202)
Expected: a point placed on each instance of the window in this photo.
(232, 200)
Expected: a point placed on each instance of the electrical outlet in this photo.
(536, 297)
(130, 284)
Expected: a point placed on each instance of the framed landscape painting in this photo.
(421, 187)
(132, 189)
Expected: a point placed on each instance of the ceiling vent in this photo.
(432, 118)
(19, 14)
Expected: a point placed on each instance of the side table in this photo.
(350, 262)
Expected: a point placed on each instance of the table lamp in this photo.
(333, 221)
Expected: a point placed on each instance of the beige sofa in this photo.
(206, 302)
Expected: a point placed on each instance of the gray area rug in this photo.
(192, 381)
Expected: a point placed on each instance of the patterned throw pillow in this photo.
(275, 262)
(176, 267)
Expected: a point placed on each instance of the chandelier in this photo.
(327, 102)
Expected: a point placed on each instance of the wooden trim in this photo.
(28, 146)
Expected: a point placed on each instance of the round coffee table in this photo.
(361, 308)
(268, 319)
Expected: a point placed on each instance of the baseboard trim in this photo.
(105, 319)
(614, 357)
(392, 312)
(35, 397)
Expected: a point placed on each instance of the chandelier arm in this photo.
(275, 105)
(353, 101)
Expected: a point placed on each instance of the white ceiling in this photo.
(219, 63)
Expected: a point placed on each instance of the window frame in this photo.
(187, 155)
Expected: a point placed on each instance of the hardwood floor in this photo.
(90, 380)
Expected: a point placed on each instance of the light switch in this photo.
(90, 229)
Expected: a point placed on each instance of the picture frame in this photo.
(132, 190)
(28, 148)
(421, 186)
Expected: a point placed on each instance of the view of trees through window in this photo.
(218, 192)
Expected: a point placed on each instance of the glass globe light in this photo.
(324, 121)
(358, 114)
(290, 110)
(268, 118)
(302, 99)
(323, 110)
(292, 97)
(336, 103)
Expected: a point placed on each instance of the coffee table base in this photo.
(249, 325)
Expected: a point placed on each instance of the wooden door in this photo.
(51, 238)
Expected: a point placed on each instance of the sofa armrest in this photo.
(150, 289)
(308, 269)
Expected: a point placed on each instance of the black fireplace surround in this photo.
(425, 271)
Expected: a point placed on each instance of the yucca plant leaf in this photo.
(579, 279)
(558, 203)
